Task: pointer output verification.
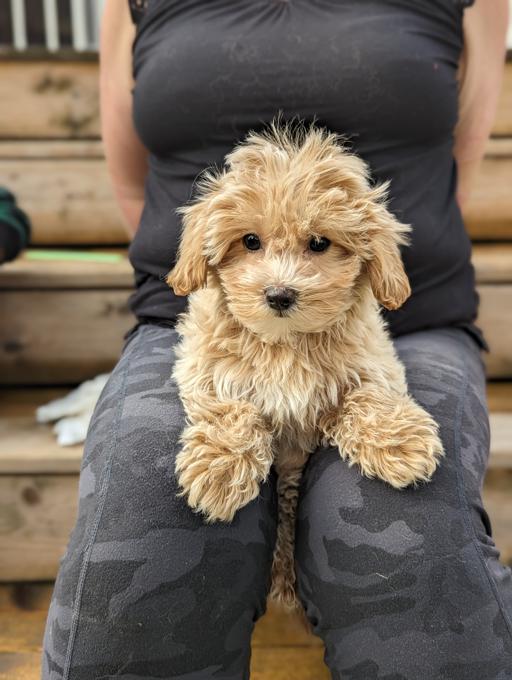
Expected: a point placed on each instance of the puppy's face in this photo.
(287, 267)
(292, 231)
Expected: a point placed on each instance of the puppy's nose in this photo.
(280, 298)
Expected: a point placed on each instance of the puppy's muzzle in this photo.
(280, 298)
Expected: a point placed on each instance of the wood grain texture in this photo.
(61, 336)
(503, 120)
(499, 396)
(498, 503)
(27, 447)
(38, 500)
(65, 188)
(36, 515)
(64, 95)
(495, 319)
(26, 274)
(488, 214)
(493, 264)
(69, 199)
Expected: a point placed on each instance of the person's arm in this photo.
(480, 79)
(125, 154)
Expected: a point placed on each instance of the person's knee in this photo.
(387, 577)
(362, 547)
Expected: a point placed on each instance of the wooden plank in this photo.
(25, 596)
(501, 440)
(61, 336)
(498, 503)
(32, 149)
(288, 663)
(64, 95)
(488, 214)
(27, 274)
(20, 665)
(503, 121)
(65, 188)
(495, 319)
(36, 450)
(281, 628)
(499, 396)
(27, 447)
(36, 515)
(69, 200)
(493, 262)
(69, 336)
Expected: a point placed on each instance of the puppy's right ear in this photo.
(189, 272)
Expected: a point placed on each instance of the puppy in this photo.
(286, 254)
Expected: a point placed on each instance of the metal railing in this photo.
(82, 23)
(82, 16)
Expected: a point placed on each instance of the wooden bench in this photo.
(64, 322)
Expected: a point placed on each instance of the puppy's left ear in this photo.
(190, 271)
(388, 279)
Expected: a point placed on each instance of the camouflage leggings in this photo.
(400, 585)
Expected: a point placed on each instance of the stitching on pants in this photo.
(99, 512)
(464, 501)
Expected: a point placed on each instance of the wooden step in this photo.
(66, 190)
(65, 96)
(28, 447)
(488, 215)
(67, 319)
(281, 649)
(38, 483)
(60, 177)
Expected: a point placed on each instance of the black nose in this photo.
(280, 298)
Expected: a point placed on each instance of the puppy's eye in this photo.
(318, 245)
(252, 242)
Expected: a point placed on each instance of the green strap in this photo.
(73, 256)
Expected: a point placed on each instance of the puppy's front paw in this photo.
(400, 445)
(221, 468)
(410, 456)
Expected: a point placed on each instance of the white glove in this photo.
(74, 411)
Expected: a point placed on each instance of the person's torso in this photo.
(381, 72)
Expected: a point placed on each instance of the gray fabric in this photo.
(401, 585)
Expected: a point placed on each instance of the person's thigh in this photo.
(146, 589)
(406, 585)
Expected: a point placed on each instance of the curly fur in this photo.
(263, 387)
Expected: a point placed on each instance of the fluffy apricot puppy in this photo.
(285, 255)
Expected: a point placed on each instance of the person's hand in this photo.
(73, 412)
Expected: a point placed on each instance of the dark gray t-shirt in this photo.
(381, 72)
